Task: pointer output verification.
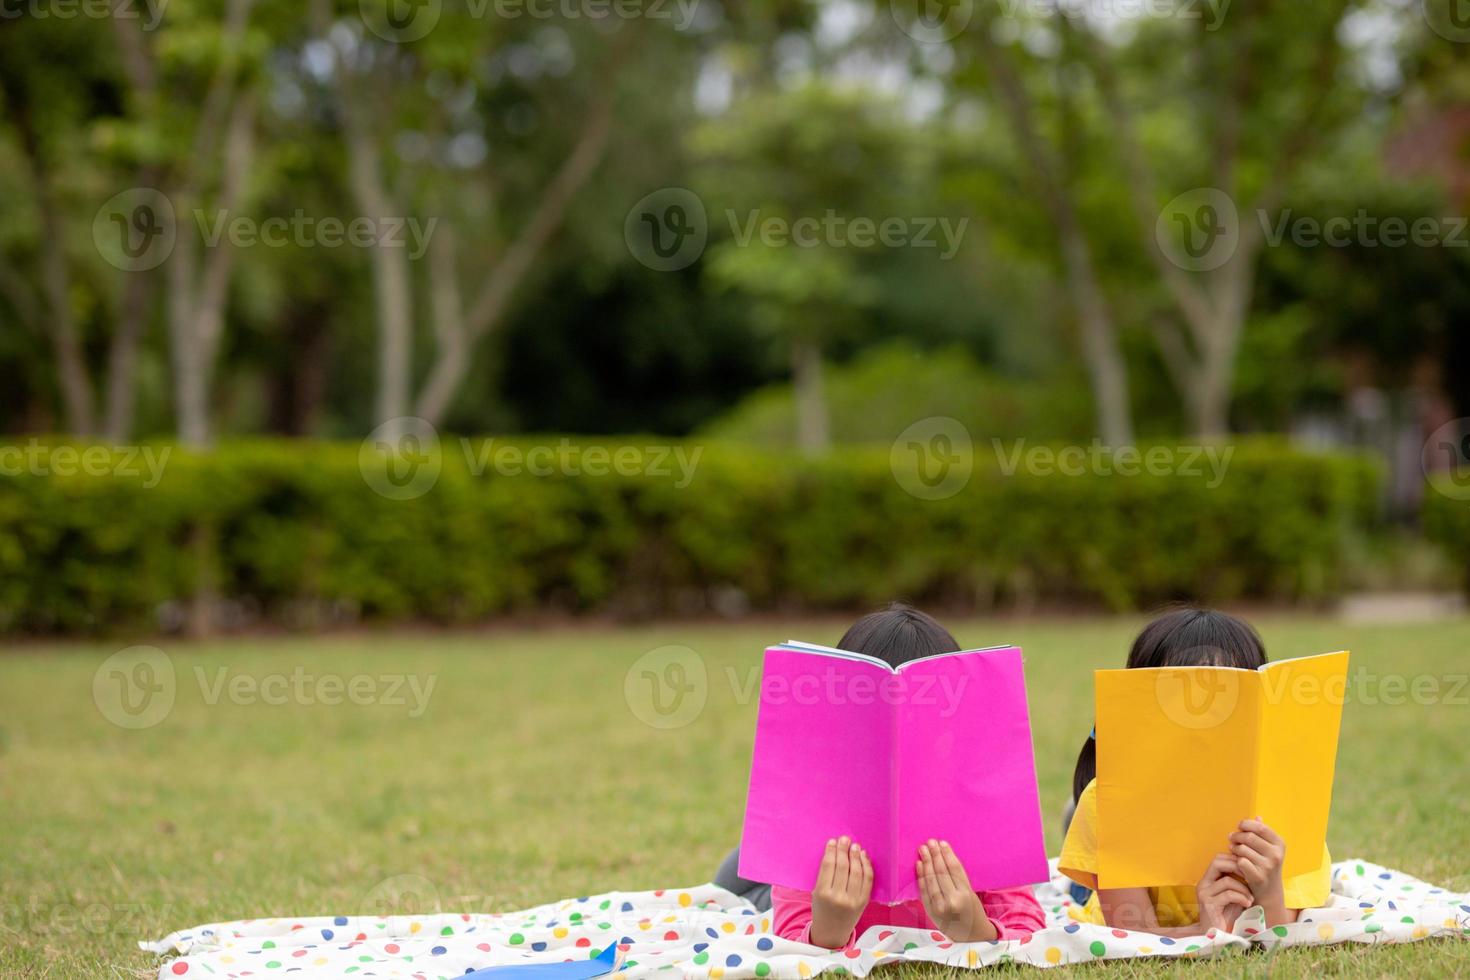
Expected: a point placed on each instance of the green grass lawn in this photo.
(531, 776)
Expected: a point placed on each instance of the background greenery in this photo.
(293, 533)
(1447, 522)
(1058, 138)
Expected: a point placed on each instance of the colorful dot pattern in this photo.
(705, 932)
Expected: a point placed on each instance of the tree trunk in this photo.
(138, 287)
(451, 354)
(813, 432)
(122, 363)
(199, 280)
(1210, 415)
(71, 366)
(191, 388)
(191, 394)
(392, 287)
(392, 281)
(1106, 368)
(393, 293)
(1213, 388)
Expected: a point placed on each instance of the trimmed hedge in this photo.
(291, 531)
(1447, 523)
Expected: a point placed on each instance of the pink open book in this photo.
(940, 747)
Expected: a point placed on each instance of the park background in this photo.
(526, 350)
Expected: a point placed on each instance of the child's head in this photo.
(1198, 638)
(1186, 637)
(898, 634)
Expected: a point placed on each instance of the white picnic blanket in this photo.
(707, 932)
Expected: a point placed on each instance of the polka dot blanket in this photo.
(706, 932)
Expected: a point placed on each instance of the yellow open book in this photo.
(1186, 753)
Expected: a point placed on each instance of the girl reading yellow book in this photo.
(1247, 871)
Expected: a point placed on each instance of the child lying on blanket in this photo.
(1247, 872)
(838, 909)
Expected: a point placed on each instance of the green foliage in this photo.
(287, 527)
(1395, 310)
(786, 109)
(1447, 524)
(809, 154)
(886, 389)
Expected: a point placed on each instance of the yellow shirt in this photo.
(1173, 905)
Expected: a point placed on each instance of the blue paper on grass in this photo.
(599, 966)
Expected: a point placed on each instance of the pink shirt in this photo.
(1013, 911)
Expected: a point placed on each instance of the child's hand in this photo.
(948, 897)
(1259, 854)
(1220, 895)
(844, 886)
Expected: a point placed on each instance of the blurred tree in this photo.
(53, 85)
(1263, 90)
(515, 135)
(463, 92)
(1050, 168)
(1224, 108)
(788, 173)
(194, 86)
(1321, 307)
(32, 94)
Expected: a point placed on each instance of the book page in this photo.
(820, 768)
(1301, 715)
(1176, 760)
(966, 772)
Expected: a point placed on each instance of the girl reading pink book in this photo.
(839, 907)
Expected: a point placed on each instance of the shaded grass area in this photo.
(531, 774)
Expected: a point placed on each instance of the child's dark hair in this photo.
(898, 634)
(1182, 638)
